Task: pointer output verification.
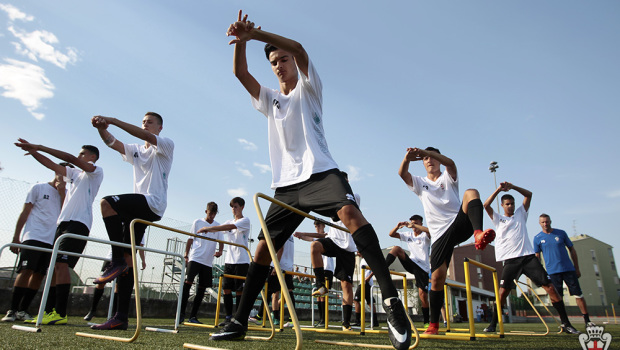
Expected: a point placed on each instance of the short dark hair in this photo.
(507, 197)
(318, 222)
(344, 173)
(416, 217)
(237, 200)
(92, 149)
(212, 207)
(156, 115)
(543, 215)
(432, 149)
(269, 49)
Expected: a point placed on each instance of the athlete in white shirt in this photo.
(75, 217)
(199, 254)
(514, 248)
(417, 263)
(151, 164)
(450, 220)
(38, 221)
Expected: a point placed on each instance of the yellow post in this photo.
(470, 306)
(363, 300)
(219, 296)
(326, 298)
(614, 311)
(448, 306)
(499, 312)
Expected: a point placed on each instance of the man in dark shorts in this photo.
(75, 217)
(151, 168)
(513, 247)
(450, 220)
(417, 263)
(303, 172)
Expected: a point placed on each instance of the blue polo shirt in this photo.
(553, 246)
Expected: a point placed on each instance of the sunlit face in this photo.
(151, 124)
(319, 227)
(509, 207)
(431, 164)
(415, 229)
(545, 224)
(236, 210)
(86, 155)
(283, 65)
(211, 216)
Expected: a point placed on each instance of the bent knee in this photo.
(472, 193)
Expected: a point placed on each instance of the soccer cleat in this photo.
(111, 272)
(320, 324)
(34, 319)
(483, 238)
(89, 316)
(53, 318)
(426, 325)
(399, 328)
(233, 330)
(347, 328)
(569, 329)
(253, 320)
(288, 325)
(356, 324)
(445, 323)
(225, 322)
(112, 324)
(10, 316)
(489, 329)
(193, 320)
(23, 316)
(432, 329)
(590, 324)
(319, 292)
(276, 322)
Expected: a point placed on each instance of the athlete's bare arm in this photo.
(527, 195)
(33, 150)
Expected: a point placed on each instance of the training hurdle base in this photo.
(532, 333)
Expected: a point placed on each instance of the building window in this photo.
(593, 255)
(602, 300)
(596, 269)
(613, 265)
(600, 285)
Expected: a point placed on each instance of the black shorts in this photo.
(132, 206)
(460, 231)
(528, 265)
(345, 261)
(571, 280)
(421, 276)
(329, 278)
(34, 260)
(237, 270)
(273, 284)
(367, 292)
(204, 273)
(71, 245)
(323, 193)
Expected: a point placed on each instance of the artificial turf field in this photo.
(63, 337)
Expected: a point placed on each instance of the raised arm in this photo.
(98, 122)
(33, 150)
(445, 161)
(309, 236)
(394, 232)
(102, 127)
(403, 170)
(527, 195)
(223, 228)
(489, 202)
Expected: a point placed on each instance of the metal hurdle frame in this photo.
(363, 303)
(530, 333)
(278, 270)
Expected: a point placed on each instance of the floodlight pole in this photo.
(493, 168)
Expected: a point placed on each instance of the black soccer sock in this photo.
(561, 309)
(474, 213)
(436, 299)
(16, 299)
(96, 298)
(495, 317)
(586, 318)
(319, 272)
(228, 304)
(62, 298)
(27, 299)
(50, 304)
(115, 303)
(358, 317)
(290, 292)
(322, 311)
(367, 243)
(425, 313)
(125, 287)
(254, 282)
(389, 259)
(346, 314)
(186, 289)
(114, 226)
(200, 293)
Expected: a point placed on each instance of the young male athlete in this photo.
(450, 221)
(552, 243)
(199, 254)
(513, 247)
(75, 217)
(237, 260)
(417, 263)
(151, 168)
(304, 173)
(38, 221)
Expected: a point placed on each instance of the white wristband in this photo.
(110, 141)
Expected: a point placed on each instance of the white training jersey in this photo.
(82, 188)
(151, 168)
(328, 263)
(288, 254)
(419, 248)
(343, 239)
(511, 238)
(440, 200)
(202, 250)
(240, 235)
(297, 144)
(368, 272)
(41, 223)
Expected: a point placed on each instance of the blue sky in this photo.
(533, 85)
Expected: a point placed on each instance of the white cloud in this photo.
(263, 168)
(14, 13)
(614, 194)
(354, 173)
(39, 44)
(25, 82)
(247, 145)
(236, 192)
(242, 169)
